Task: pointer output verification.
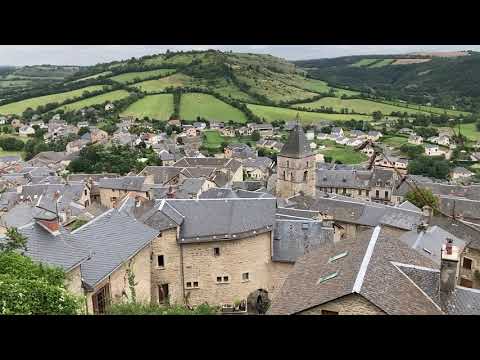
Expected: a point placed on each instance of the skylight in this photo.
(327, 277)
(339, 256)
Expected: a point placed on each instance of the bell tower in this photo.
(296, 171)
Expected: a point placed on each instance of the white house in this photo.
(109, 107)
(460, 173)
(26, 130)
(310, 135)
(434, 150)
(374, 135)
(415, 139)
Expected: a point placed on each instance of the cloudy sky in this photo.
(92, 54)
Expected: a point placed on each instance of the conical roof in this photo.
(297, 145)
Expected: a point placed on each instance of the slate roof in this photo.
(464, 301)
(128, 183)
(94, 239)
(234, 218)
(296, 145)
(372, 274)
(218, 193)
(407, 205)
(17, 216)
(429, 242)
(359, 212)
(161, 174)
(294, 237)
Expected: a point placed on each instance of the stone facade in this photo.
(295, 175)
(352, 304)
(192, 271)
(468, 268)
(74, 281)
(117, 282)
(110, 198)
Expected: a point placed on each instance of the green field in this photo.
(431, 109)
(158, 107)
(395, 141)
(357, 105)
(209, 107)
(93, 76)
(99, 99)
(381, 63)
(344, 154)
(175, 80)
(20, 106)
(470, 131)
(233, 92)
(131, 77)
(270, 113)
(364, 62)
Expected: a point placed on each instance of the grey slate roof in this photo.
(432, 240)
(218, 193)
(129, 183)
(407, 205)
(19, 215)
(359, 212)
(293, 238)
(296, 145)
(464, 301)
(380, 281)
(95, 239)
(234, 218)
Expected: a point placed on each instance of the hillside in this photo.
(225, 86)
(441, 79)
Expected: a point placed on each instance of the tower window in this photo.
(160, 261)
(216, 251)
(305, 175)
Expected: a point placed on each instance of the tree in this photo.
(29, 288)
(377, 115)
(14, 241)
(412, 151)
(422, 197)
(255, 136)
(11, 144)
(432, 166)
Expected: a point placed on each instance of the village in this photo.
(256, 218)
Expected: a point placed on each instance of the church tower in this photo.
(296, 166)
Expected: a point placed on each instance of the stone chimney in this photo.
(448, 267)
(327, 221)
(171, 193)
(427, 214)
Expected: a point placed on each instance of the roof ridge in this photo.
(357, 286)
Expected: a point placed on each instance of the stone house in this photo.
(97, 135)
(460, 173)
(16, 123)
(374, 135)
(113, 190)
(240, 150)
(415, 139)
(228, 131)
(189, 130)
(433, 150)
(85, 255)
(258, 168)
(76, 146)
(26, 130)
(392, 162)
(264, 129)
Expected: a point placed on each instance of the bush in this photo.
(155, 309)
(11, 144)
(30, 288)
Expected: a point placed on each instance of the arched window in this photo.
(285, 175)
(305, 175)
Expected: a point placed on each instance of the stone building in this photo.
(375, 274)
(113, 190)
(295, 166)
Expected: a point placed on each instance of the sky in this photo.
(20, 55)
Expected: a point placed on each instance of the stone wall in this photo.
(118, 281)
(352, 304)
(291, 176)
(473, 255)
(106, 196)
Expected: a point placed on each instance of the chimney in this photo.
(427, 214)
(327, 221)
(171, 193)
(52, 226)
(448, 267)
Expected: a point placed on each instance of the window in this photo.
(222, 279)
(85, 192)
(344, 191)
(467, 263)
(189, 284)
(328, 312)
(377, 194)
(160, 261)
(386, 194)
(195, 284)
(101, 299)
(216, 251)
(327, 277)
(359, 192)
(305, 176)
(245, 276)
(163, 294)
(339, 256)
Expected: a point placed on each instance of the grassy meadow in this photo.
(20, 106)
(95, 100)
(209, 107)
(158, 107)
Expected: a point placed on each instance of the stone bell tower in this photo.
(296, 166)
